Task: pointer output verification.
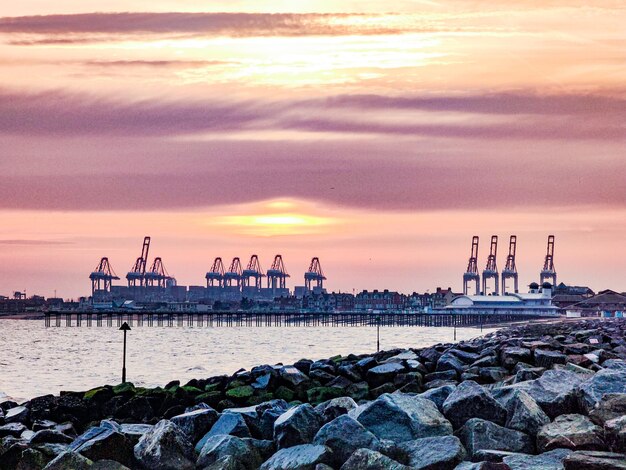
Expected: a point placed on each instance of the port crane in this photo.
(510, 269)
(471, 273)
(277, 274)
(232, 277)
(157, 275)
(491, 269)
(136, 276)
(102, 276)
(253, 274)
(549, 272)
(314, 275)
(215, 276)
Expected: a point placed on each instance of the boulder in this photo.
(470, 400)
(478, 434)
(590, 460)
(17, 414)
(50, 435)
(400, 417)
(611, 406)
(196, 423)
(482, 466)
(547, 359)
(552, 460)
(292, 376)
(601, 383)
(523, 413)
(300, 457)
(70, 460)
(343, 436)
(220, 446)
(572, 431)
(438, 395)
(12, 429)
(434, 453)
(366, 459)
(449, 361)
(100, 443)
(615, 433)
(297, 426)
(383, 373)
(511, 356)
(232, 424)
(334, 408)
(165, 447)
(556, 391)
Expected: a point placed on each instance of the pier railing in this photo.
(279, 319)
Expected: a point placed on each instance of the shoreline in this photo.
(546, 370)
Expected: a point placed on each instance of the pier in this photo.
(278, 319)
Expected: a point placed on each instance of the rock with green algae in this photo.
(124, 388)
(284, 393)
(239, 393)
(318, 395)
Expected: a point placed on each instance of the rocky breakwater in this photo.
(544, 396)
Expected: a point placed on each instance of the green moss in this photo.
(210, 398)
(236, 384)
(191, 390)
(211, 387)
(258, 399)
(318, 395)
(284, 393)
(244, 391)
(126, 387)
(336, 359)
(94, 392)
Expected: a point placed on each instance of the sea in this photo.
(35, 360)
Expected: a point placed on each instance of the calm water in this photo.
(35, 360)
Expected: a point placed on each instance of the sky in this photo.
(377, 136)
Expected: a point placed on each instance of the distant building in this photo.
(379, 301)
(537, 302)
(605, 303)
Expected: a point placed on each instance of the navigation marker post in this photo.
(124, 328)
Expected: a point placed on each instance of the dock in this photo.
(277, 319)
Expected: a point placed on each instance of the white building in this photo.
(537, 302)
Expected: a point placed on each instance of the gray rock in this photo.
(69, 460)
(478, 434)
(292, 376)
(552, 460)
(344, 435)
(12, 429)
(449, 361)
(18, 414)
(601, 383)
(227, 462)
(590, 460)
(482, 466)
(615, 433)
(611, 406)
(434, 453)
(366, 459)
(301, 457)
(31, 459)
(383, 373)
(50, 435)
(438, 395)
(108, 465)
(334, 408)
(165, 447)
(400, 417)
(572, 431)
(511, 356)
(547, 359)
(297, 426)
(556, 391)
(232, 424)
(523, 413)
(196, 423)
(220, 446)
(470, 400)
(99, 443)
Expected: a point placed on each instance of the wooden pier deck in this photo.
(277, 319)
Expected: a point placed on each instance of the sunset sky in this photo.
(378, 136)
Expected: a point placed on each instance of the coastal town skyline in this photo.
(379, 141)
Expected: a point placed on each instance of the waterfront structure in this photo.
(537, 302)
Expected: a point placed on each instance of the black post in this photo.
(454, 320)
(124, 328)
(377, 334)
